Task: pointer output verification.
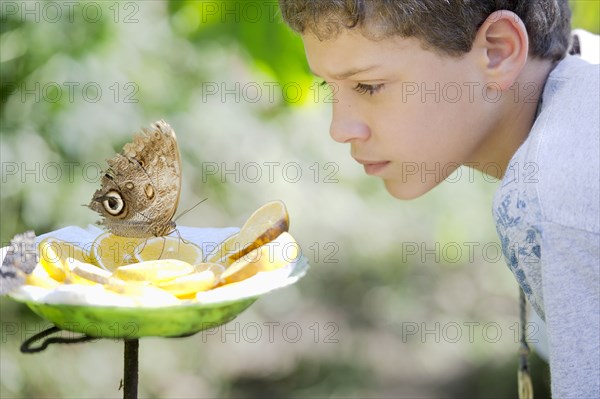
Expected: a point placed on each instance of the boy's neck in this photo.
(516, 119)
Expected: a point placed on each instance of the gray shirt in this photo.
(547, 213)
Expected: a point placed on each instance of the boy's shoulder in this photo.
(571, 99)
(555, 173)
(573, 72)
(565, 146)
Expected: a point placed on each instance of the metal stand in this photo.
(130, 356)
(130, 369)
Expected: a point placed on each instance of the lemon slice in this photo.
(168, 248)
(39, 277)
(274, 255)
(190, 284)
(205, 277)
(225, 248)
(66, 249)
(90, 272)
(51, 261)
(75, 279)
(154, 271)
(263, 226)
(110, 251)
(216, 268)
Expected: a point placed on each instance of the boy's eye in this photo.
(371, 89)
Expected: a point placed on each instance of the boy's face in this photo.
(411, 116)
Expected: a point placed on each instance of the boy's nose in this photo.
(346, 125)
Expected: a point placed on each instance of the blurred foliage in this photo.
(243, 23)
(161, 59)
(586, 15)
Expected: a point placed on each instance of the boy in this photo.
(429, 85)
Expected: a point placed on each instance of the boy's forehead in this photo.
(350, 52)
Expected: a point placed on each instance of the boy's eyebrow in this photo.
(348, 73)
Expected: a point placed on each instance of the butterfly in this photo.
(140, 190)
(21, 258)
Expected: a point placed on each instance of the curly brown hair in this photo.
(445, 26)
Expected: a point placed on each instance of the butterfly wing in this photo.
(21, 258)
(140, 191)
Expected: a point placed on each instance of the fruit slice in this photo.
(228, 247)
(263, 226)
(110, 251)
(90, 272)
(154, 271)
(216, 268)
(271, 256)
(75, 279)
(50, 260)
(168, 248)
(190, 284)
(143, 294)
(65, 249)
(39, 277)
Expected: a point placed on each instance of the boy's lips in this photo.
(373, 167)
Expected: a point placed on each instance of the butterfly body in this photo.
(139, 192)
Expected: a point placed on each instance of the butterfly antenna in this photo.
(181, 237)
(187, 210)
(162, 251)
(141, 249)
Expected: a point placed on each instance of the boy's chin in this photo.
(408, 190)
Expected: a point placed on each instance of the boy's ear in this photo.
(504, 46)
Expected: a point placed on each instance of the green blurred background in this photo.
(396, 303)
